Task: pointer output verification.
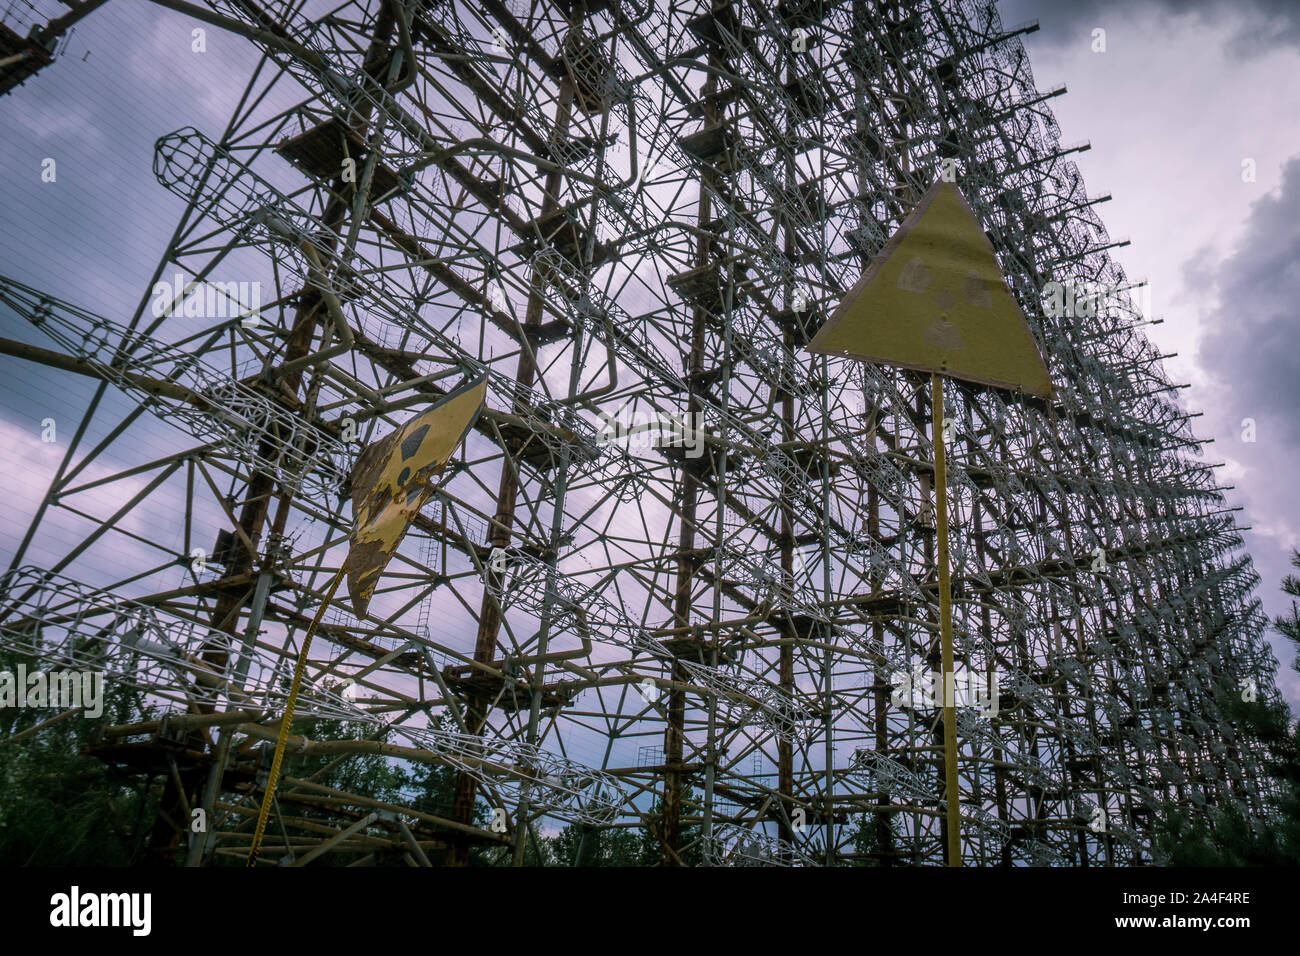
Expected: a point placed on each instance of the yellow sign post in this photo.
(391, 481)
(934, 300)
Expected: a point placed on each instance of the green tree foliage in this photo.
(608, 846)
(1232, 839)
(537, 852)
(423, 787)
(866, 840)
(62, 806)
(431, 788)
(58, 805)
(371, 775)
(368, 775)
(629, 846)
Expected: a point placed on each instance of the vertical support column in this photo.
(785, 667)
(500, 532)
(261, 486)
(951, 794)
(674, 740)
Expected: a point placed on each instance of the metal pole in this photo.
(337, 839)
(254, 627)
(274, 777)
(199, 847)
(945, 623)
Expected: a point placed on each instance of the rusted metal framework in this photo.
(33, 33)
(632, 216)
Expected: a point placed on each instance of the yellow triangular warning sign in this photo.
(391, 482)
(934, 300)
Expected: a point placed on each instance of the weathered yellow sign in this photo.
(392, 480)
(934, 300)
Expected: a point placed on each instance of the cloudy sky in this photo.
(1182, 96)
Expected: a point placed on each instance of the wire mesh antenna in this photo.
(680, 562)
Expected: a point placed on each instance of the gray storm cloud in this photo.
(1250, 343)
(1257, 25)
(1249, 353)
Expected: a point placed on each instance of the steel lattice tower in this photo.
(643, 210)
